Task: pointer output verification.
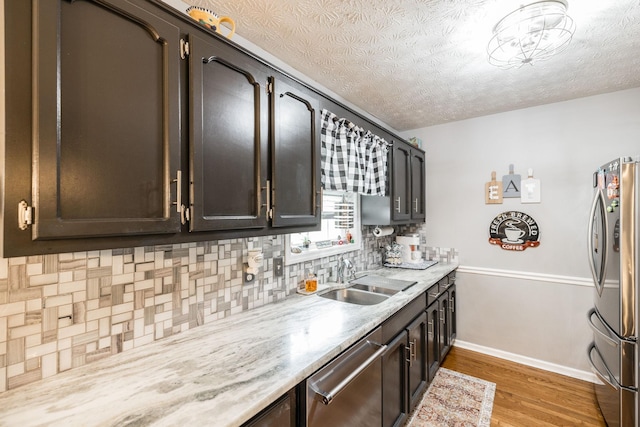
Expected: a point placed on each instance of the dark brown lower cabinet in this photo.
(444, 339)
(433, 350)
(418, 337)
(417, 373)
(453, 327)
(394, 368)
(404, 365)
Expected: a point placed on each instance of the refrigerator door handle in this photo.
(607, 377)
(598, 279)
(606, 336)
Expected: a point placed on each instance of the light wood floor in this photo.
(529, 397)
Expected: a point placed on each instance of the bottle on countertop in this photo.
(311, 283)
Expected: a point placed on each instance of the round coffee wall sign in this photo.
(514, 231)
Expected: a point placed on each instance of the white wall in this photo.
(530, 303)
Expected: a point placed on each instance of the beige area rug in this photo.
(455, 399)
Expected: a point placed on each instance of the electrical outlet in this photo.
(278, 267)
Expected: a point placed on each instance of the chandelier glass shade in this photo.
(534, 32)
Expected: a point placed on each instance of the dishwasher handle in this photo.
(326, 397)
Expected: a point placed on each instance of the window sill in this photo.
(309, 255)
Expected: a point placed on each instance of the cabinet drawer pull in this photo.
(178, 182)
(412, 352)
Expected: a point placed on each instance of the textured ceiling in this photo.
(416, 63)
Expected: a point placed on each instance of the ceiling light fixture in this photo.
(534, 32)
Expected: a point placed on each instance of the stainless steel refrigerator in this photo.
(614, 243)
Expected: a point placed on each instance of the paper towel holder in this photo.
(384, 231)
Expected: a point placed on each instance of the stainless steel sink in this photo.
(375, 289)
(354, 296)
(380, 284)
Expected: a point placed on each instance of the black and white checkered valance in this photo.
(353, 159)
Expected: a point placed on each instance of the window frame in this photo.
(313, 254)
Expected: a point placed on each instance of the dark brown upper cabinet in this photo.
(254, 154)
(401, 182)
(408, 184)
(418, 189)
(295, 162)
(105, 105)
(228, 138)
(405, 203)
(129, 124)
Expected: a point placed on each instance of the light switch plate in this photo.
(278, 267)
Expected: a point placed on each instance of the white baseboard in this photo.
(529, 361)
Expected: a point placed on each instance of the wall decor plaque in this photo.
(514, 231)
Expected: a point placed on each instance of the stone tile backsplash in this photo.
(61, 311)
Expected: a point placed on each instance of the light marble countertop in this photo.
(220, 373)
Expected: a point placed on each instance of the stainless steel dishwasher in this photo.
(348, 390)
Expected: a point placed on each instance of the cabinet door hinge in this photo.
(184, 48)
(269, 88)
(25, 215)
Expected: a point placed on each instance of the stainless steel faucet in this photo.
(345, 270)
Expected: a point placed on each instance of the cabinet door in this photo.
(417, 185)
(228, 109)
(401, 182)
(444, 340)
(433, 349)
(295, 155)
(394, 385)
(453, 328)
(417, 374)
(106, 139)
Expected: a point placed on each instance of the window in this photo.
(340, 230)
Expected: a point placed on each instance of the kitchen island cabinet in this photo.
(197, 376)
